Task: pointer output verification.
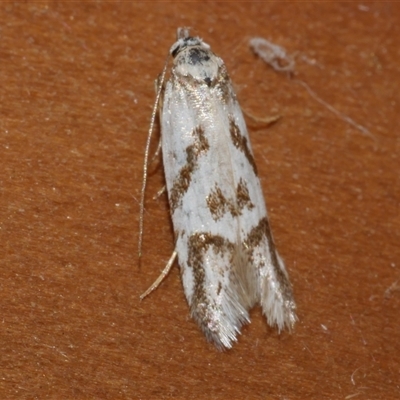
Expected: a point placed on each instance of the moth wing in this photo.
(219, 286)
(274, 289)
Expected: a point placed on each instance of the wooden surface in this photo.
(77, 88)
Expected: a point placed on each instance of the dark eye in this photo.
(177, 50)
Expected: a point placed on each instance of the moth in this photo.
(223, 241)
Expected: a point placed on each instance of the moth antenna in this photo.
(146, 157)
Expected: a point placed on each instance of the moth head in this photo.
(184, 40)
(194, 60)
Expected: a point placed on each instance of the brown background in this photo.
(75, 101)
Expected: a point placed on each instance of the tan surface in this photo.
(75, 101)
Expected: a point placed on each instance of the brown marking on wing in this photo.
(243, 196)
(198, 244)
(257, 234)
(223, 86)
(240, 142)
(219, 205)
(182, 182)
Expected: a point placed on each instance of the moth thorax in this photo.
(197, 62)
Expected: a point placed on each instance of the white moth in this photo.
(224, 244)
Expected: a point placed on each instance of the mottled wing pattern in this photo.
(202, 196)
(274, 289)
(225, 249)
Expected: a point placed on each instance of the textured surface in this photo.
(75, 102)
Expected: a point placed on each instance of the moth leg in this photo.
(160, 192)
(163, 274)
(157, 153)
